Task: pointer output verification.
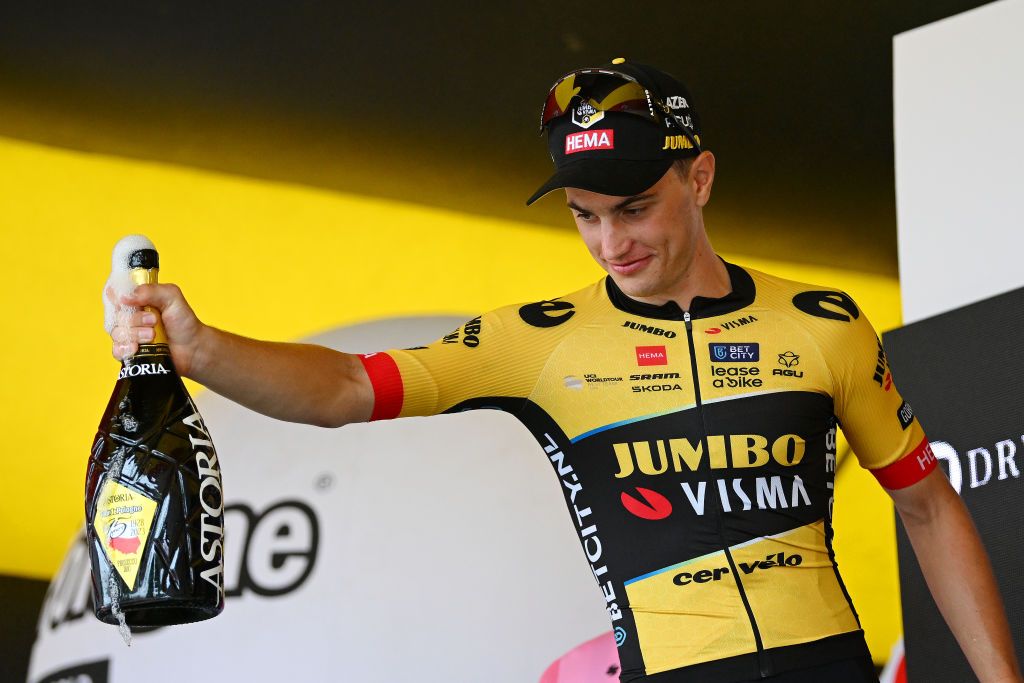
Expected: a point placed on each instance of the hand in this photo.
(180, 323)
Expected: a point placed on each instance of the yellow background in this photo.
(282, 262)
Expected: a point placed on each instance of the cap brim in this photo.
(616, 177)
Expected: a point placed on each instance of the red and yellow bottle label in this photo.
(123, 521)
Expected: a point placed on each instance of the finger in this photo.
(127, 335)
(141, 319)
(122, 351)
(158, 296)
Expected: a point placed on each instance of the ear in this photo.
(702, 177)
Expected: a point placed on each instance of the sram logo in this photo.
(716, 574)
(653, 376)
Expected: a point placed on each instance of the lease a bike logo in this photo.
(735, 353)
(547, 313)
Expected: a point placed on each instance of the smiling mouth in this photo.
(629, 267)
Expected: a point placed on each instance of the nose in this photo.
(615, 240)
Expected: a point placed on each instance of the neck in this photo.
(705, 275)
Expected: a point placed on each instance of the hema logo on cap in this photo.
(584, 141)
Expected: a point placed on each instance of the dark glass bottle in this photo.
(154, 506)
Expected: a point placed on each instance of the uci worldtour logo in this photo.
(137, 369)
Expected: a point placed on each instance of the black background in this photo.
(962, 373)
(438, 103)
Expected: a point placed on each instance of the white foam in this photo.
(120, 282)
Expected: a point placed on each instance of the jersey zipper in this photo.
(762, 660)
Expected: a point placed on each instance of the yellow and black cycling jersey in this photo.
(696, 451)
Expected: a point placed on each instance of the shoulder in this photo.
(564, 311)
(827, 315)
(804, 298)
(821, 310)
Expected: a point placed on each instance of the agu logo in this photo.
(651, 355)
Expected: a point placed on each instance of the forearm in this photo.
(293, 382)
(963, 586)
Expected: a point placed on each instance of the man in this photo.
(688, 406)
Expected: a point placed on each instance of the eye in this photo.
(584, 216)
(634, 210)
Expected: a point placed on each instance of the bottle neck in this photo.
(148, 276)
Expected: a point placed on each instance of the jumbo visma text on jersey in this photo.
(696, 452)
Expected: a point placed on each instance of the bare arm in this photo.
(961, 582)
(293, 382)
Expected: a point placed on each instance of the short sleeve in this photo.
(879, 424)
(494, 356)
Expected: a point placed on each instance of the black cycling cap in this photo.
(616, 129)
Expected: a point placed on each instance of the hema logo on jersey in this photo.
(735, 353)
(651, 355)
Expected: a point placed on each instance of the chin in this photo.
(635, 287)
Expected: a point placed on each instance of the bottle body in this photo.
(154, 504)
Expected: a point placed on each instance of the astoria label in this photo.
(135, 370)
(211, 497)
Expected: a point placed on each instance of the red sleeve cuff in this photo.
(388, 392)
(910, 469)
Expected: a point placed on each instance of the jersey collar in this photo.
(741, 296)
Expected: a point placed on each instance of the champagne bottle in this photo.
(154, 505)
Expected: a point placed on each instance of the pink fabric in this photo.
(595, 661)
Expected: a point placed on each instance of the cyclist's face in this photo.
(646, 242)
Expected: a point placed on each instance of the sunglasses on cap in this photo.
(586, 94)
